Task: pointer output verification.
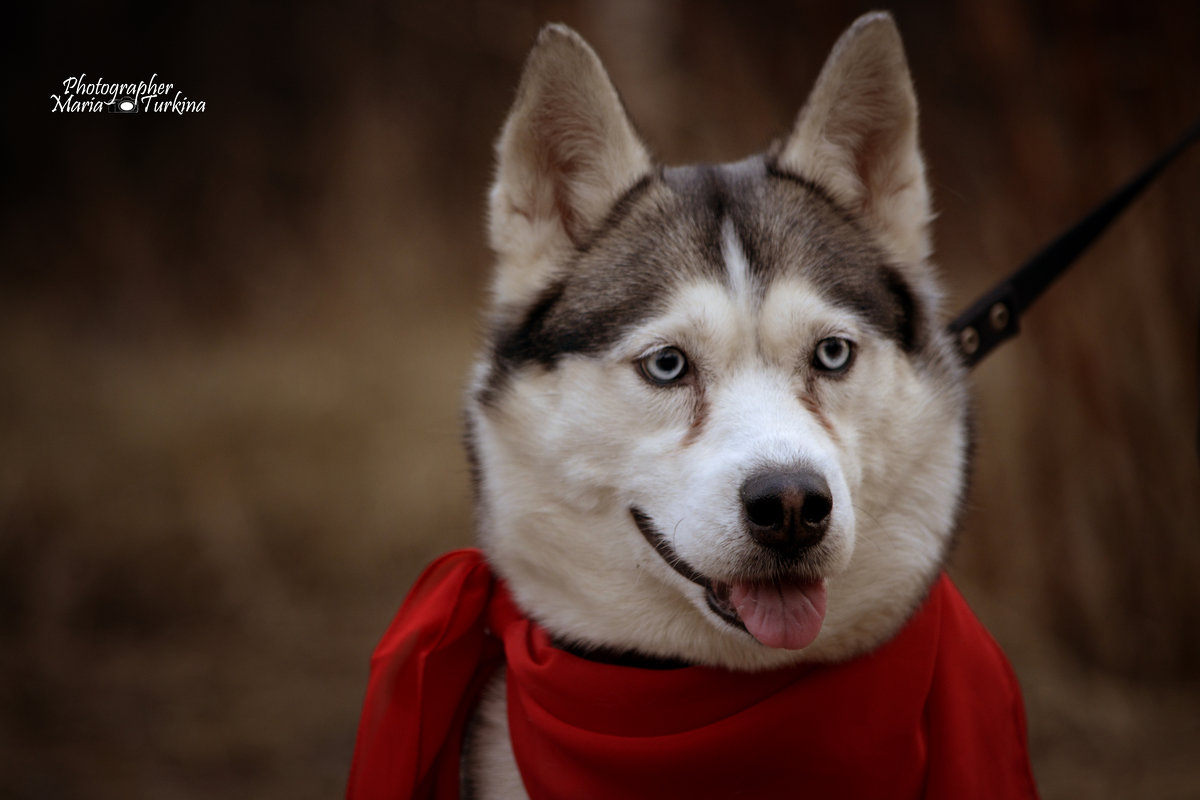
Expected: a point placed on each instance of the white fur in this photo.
(492, 768)
(736, 266)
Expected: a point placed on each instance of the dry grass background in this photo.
(232, 344)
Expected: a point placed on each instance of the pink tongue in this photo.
(787, 615)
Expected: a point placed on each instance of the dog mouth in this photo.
(783, 612)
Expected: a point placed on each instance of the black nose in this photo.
(787, 511)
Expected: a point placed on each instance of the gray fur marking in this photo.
(667, 231)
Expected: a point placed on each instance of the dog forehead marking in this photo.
(736, 266)
(739, 225)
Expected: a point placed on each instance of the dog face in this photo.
(717, 418)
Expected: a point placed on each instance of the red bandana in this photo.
(935, 713)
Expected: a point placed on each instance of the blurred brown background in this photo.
(232, 346)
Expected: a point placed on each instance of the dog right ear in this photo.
(566, 154)
(856, 137)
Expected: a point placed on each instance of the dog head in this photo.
(717, 417)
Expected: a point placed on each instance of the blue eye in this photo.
(833, 354)
(665, 366)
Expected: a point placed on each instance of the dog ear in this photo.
(566, 154)
(856, 137)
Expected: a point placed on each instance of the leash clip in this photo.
(990, 321)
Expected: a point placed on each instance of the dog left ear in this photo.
(856, 137)
(566, 155)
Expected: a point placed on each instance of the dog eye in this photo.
(833, 354)
(664, 366)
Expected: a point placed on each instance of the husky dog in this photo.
(717, 419)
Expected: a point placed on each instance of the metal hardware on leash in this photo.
(994, 317)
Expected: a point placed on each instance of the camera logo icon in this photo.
(123, 104)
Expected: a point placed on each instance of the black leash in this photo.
(993, 318)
